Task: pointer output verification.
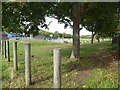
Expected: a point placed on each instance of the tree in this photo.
(69, 13)
(100, 18)
(45, 33)
(56, 34)
(17, 14)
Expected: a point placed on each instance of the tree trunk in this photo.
(76, 40)
(112, 38)
(102, 39)
(72, 55)
(93, 34)
(92, 38)
(98, 39)
(77, 13)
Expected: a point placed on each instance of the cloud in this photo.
(55, 26)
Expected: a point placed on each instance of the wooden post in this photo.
(28, 64)
(8, 52)
(3, 44)
(2, 50)
(15, 56)
(0, 45)
(57, 68)
(5, 55)
(0, 69)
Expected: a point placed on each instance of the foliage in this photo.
(45, 33)
(55, 34)
(100, 17)
(24, 17)
(86, 36)
(97, 17)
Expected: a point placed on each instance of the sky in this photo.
(55, 26)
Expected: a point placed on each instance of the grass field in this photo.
(95, 69)
(85, 40)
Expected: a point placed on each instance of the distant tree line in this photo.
(55, 34)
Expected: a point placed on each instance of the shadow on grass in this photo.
(40, 79)
(100, 60)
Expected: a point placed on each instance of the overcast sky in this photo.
(55, 26)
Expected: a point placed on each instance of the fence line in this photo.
(56, 58)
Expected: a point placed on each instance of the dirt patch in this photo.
(81, 77)
(104, 59)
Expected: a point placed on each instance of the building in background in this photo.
(3, 35)
(40, 36)
(14, 36)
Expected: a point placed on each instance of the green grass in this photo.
(88, 40)
(102, 79)
(42, 66)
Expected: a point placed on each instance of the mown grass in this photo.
(101, 78)
(42, 67)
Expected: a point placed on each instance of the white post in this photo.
(57, 68)
(28, 64)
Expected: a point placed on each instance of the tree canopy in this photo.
(24, 17)
(101, 18)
